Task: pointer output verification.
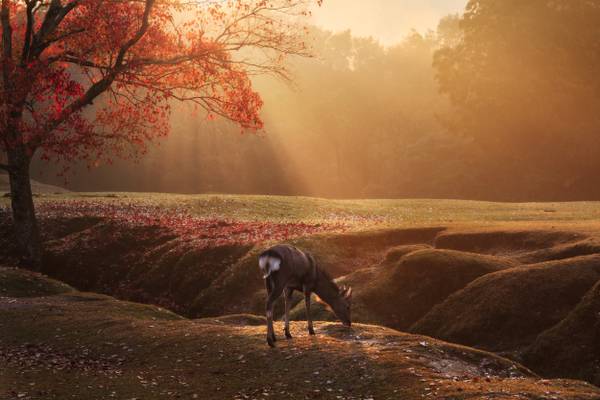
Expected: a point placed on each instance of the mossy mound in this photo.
(342, 254)
(572, 347)
(394, 254)
(397, 295)
(400, 294)
(583, 247)
(140, 263)
(507, 310)
(504, 241)
(240, 289)
(152, 264)
(16, 282)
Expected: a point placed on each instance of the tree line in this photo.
(499, 103)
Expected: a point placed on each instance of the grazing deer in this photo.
(285, 269)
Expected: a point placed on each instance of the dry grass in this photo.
(79, 345)
(373, 250)
(573, 344)
(507, 310)
(361, 214)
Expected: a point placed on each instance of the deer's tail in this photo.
(268, 263)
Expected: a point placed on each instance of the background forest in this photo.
(500, 103)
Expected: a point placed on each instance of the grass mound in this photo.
(240, 289)
(142, 252)
(342, 254)
(88, 346)
(398, 295)
(504, 241)
(507, 310)
(140, 263)
(583, 247)
(572, 347)
(394, 254)
(20, 283)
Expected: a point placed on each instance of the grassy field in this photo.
(528, 265)
(357, 213)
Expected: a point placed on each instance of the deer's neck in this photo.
(325, 288)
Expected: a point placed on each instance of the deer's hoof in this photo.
(311, 332)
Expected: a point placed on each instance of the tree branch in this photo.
(63, 36)
(77, 61)
(54, 16)
(103, 84)
(31, 4)
(139, 34)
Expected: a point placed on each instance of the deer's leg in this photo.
(268, 285)
(273, 295)
(307, 294)
(287, 296)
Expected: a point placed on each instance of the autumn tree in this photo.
(88, 79)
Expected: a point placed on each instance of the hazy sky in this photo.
(386, 20)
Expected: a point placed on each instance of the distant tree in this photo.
(448, 31)
(522, 77)
(130, 59)
(361, 120)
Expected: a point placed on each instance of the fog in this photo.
(388, 21)
(501, 106)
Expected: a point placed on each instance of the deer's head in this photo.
(342, 305)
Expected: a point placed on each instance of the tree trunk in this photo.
(25, 223)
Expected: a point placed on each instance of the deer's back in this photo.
(296, 267)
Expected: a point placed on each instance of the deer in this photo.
(286, 269)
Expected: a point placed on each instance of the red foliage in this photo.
(131, 59)
(203, 232)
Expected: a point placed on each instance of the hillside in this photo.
(499, 277)
(68, 344)
(572, 345)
